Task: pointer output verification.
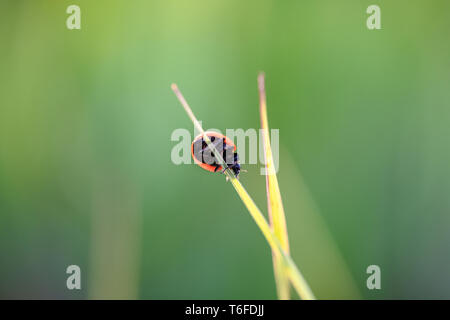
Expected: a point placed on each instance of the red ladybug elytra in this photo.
(207, 161)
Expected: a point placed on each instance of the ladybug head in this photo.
(236, 169)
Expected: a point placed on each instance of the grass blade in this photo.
(277, 217)
(296, 278)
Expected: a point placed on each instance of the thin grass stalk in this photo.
(296, 278)
(277, 217)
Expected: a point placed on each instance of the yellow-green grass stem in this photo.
(275, 207)
(296, 278)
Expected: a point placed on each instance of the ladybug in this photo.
(204, 157)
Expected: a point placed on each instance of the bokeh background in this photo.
(86, 118)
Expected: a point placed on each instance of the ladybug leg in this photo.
(226, 178)
(229, 167)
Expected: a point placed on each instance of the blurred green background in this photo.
(86, 118)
